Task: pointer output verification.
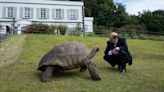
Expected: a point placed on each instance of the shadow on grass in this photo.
(109, 69)
(66, 74)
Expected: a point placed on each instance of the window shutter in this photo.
(32, 10)
(38, 13)
(4, 12)
(47, 13)
(21, 12)
(77, 14)
(15, 12)
(68, 14)
(53, 13)
(62, 13)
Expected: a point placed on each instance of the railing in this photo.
(126, 33)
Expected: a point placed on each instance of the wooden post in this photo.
(13, 26)
(83, 12)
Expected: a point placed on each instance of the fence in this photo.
(126, 33)
(100, 31)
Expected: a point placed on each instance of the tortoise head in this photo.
(93, 52)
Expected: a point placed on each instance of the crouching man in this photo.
(116, 52)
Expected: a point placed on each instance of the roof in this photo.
(48, 2)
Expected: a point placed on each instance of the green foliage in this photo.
(38, 29)
(90, 8)
(106, 13)
(91, 34)
(105, 16)
(54, 28)
(154, 21)
(62, 29)
(101, 31)
(133, 19)
(120, 16)
(77, 31)
(145, 75)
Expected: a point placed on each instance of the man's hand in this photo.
(115, 52)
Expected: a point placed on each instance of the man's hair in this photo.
(113, 35)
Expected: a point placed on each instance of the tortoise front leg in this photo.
(93, 71)
(47, 74)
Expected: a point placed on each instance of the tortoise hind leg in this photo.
(47, 74)
(93, 71)
(83, 68)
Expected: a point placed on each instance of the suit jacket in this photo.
(123, 46)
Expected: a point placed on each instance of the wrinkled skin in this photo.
(69, 55)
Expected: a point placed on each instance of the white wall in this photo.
(42, 4)
(88, 22)
(50, 4)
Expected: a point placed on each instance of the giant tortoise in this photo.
(66, 56)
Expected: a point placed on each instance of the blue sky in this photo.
(135, 6)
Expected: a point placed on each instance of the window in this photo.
(73, 14)
(43, 13)
(26, 12)
(9, 12)
(59, 14)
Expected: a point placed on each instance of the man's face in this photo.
(113, 39)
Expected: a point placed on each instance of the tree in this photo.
(106, 15)
(120, 16)
(91, 8)
(133, 20)
(153, 21)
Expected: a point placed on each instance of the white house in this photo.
(52, 12)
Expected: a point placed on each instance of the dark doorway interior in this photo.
(7, 29)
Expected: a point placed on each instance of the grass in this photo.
(21, 54)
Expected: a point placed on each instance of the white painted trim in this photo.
(88, 18)
(45, 2)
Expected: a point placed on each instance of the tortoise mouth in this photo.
(97, 49)
(42, 68)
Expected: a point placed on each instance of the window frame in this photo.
(43, 13)
(10, 12)
(27, 14)
(73, 14)
(58, 14)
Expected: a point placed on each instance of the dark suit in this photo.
(122, 58)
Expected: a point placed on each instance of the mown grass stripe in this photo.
(10, 49)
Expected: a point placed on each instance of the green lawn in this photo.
(20, 54)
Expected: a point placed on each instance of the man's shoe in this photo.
(121, 69)
(124, 70)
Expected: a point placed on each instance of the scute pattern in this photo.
(68, 55)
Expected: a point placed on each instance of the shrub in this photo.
(39, 29)
(62, 29)
(54, 28)
(91, 34)
(142, 36)
(77, 31)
